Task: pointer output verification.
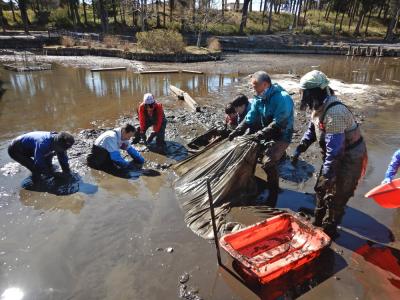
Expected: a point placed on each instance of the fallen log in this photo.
(108, 69)
(159, 72)
(192, 72)
(182, 95)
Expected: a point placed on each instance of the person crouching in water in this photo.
(105, 154)
(35, 151)
(151, 113)
(344, 151)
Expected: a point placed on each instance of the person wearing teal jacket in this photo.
(272, 109)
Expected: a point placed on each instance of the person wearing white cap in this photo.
(151, 113)
(344, 151)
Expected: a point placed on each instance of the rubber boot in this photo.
(330, 229)
(273, 183)
(319, 214)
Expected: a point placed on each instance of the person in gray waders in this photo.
(344, 151)
(272, 110)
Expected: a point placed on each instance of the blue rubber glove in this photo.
(386, 180)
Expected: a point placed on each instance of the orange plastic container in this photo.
(386, 195)
(273, 247)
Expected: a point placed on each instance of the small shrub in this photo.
(59, 18)
(87, 42)
(213, 44)
(161, 41)
(67, 41)
(111, 41)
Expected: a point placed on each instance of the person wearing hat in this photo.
(106, 155)
(272, 110)
(35, 151)
(345, 158)
(151, 113)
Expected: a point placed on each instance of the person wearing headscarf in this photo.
(344, 152)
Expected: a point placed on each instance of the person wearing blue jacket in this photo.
(35, 151)
(106, 155)
(344, 151)
(392, 168)
(272, 110)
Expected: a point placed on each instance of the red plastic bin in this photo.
(273, 247)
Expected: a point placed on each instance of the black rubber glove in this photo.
(232, 135)
(240, 130)
(325, 184)
(151, 137)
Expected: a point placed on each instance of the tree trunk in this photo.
(244, 16)
(2, 23)
(114, 8)
(103, 16)
(261, 5)
(158, 23)
(84, 11)
(360, 19)
(94, 11)
(251, 6)
(299, 12)
(335, 22)
(164, 14)
(341, 21)
(391, 27)
(171, 9)
(270, 16)
(264, 10)
(194, 11)
(24, 14)
(13, 11)
(367, 25)
(305, 14)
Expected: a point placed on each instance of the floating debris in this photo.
(10, 169)
(169, 250)
(184, 277)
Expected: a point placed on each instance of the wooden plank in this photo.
(159, 72)
(108, 69)
(182, 95)
(192, 72)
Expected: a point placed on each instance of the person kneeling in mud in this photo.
(272, 110)
(106, 154)
(151, 113)
(35, 151)
(344, 151)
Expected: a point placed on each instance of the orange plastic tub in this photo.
(386, 195)
(273, 247)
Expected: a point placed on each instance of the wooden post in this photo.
(210, 198)
(185, 96)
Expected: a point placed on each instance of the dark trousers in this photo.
(160, 137)
(330, 206)
(100, 159)
(25, 157)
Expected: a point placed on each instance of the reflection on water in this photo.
(70, 98)
(365, 70)
(12, 293)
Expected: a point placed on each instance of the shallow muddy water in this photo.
(126, 239)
